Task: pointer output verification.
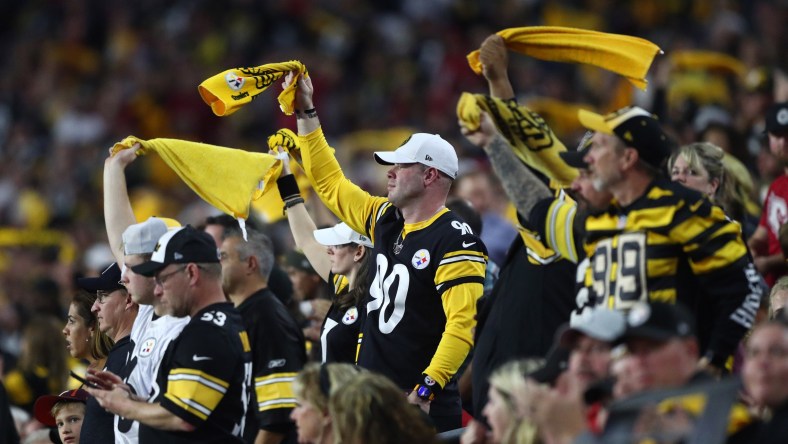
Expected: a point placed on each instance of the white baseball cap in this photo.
(600, 323)
(142, 238)
(341, 234)
(427, 149)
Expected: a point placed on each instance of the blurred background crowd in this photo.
(80, 75)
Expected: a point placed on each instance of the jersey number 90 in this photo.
(380, 290)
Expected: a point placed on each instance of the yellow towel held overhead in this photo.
(628, 56)
(227, 178)
(228, 91)
(707, 61)
(527, 133)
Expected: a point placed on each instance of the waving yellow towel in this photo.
(527, 133)
(707, 61)
(227, 178)
(628, 56)
(228, 91)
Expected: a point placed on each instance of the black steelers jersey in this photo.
(405, 317)
(205, 378)
(421, 305)
(669, 245)
(339, 333)
(278, 354)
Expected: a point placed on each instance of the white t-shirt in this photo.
(151, 338)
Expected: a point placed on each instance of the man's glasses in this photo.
(160, 279)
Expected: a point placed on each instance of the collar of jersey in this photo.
(409, 228)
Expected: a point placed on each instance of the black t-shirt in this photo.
(206, 379)
(525, 308)
(98, 425)
(339, 334)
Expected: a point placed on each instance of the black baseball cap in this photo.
(576, 158)
(108, 280)
(777, 118)
(638, 129)
(658, 321)
(180, 246)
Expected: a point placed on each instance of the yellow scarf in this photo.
(628, 56)
(527, 133)
(707, 61)
(227, 178)
(228, 91)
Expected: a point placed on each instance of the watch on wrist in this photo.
(427, 388)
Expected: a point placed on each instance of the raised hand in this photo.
(494, 57)
(304, 91)
(484, 135)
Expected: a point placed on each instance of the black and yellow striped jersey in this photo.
(420, 311)
(278, 353)
(205, 379)
(670, 245)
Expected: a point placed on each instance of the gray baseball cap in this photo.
(142, 238)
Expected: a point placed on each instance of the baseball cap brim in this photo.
(390, 158)
(42, 409)
(148, 268)
(645, 332)
(575, 159)
(594, 122)
(329, 236)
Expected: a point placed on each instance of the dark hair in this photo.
(229, 222)
(355, 295)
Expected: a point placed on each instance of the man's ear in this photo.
(630, 157)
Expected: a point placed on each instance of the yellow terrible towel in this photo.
(228, 91)
(227, 178)
(707, 61)
(527, 133)
(628, 56)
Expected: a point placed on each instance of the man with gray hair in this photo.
(278, 349)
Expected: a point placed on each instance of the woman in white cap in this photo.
(341, 257)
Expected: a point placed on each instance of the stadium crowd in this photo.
(507, 287)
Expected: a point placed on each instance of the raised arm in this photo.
(301, 224)
(306, 116)
(521, 185)
(495, 61)
(118, 214)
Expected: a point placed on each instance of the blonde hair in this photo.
(509, 380)
(372, 409)
(307, 384)
(60, 405)
(734, 191)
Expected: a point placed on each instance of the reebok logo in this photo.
(427, 157)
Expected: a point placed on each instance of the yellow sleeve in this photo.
(346, 200)
(19, 392)
(459, 303)
(559, 228)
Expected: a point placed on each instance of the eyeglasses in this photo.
(160, 279)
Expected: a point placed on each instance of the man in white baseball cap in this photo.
(430, 265)
(427, 149)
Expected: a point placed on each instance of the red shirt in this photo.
(775, 213)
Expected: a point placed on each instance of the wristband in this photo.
(288, 187)
(310, 113)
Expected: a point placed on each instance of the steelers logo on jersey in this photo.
(234, 82)
(421, 259)
(350, 316)
(147, 347)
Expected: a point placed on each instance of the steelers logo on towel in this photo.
(350, 316)
(147, 347)
(233, 81)
(421, 259)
